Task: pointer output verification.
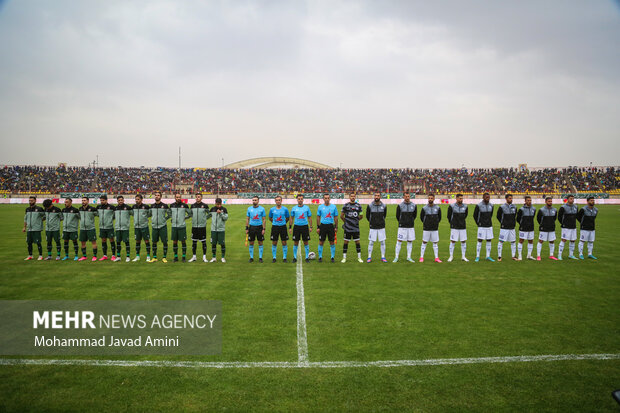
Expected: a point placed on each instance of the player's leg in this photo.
(539, 246)
(381, 237)
(561, 247)
(372, 237)
(552, 246)
(274, 245)
(113, 245)
(422, 250)
(478, 248)
(29, 244)
(104, 247)
(320, 247)
(284, 245)
(451, 250)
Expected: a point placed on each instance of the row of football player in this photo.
(114, 222)
(300, 225)
(299, 219)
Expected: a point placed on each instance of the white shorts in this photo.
(507, 235)
(569, 234)
(528, 235)
(376, 234)
(546, 236)
(586, 236)
(406, 234)
(430, 236)
(485, 233)
(458, 235)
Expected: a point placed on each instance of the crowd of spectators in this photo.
(213, 180)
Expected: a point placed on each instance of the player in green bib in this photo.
(53, 216)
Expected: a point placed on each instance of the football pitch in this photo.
(509, 336)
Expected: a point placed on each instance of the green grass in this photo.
(359, 312)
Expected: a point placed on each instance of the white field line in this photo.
(302, 337)
(306, 364)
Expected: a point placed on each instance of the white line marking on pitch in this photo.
(306, 364)
(302, 336)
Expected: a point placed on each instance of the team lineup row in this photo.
(114, 223)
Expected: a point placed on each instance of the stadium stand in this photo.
(312, 182)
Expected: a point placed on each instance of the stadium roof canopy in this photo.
(274, 162)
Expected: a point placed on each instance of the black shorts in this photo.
(199, 234)
(279, 231)
(326, 231)
(352, 236)
(256, 232)
(301, 232)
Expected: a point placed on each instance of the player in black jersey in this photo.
(351, 216)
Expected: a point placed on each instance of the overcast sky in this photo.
(358, 83)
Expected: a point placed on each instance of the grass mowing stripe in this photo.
(302, 336)
(307, 364)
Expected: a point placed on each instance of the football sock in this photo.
(223, 248)
(436, 249)
(488, 245)
(513, 248)
(551, 248)
(500, 247)
(478, 248)
(184, 248)
(463, 248)
(383, 249)
(332, 250)
(260, 251)
(538, 248)
(320, 251)
(284, 251)
(274, 251)
(295, 251)
(165, 249)
(397, 249)
(590, 247)
(451, 248)
(561, 248)
(104, 247)
(251, 248)
(422, 249)
(571, 248)
(530, 248)
(370, 245)
(409, 248)
(307, 249)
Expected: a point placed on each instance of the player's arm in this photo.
(290, 223)
(336, 219)
(247, 224)
(476, 214)
(188, 212)
(519, 215)
(500, 214)
(398, 213)
(450, 213)
(439, 216)
(264, 224)
(224, 214)
(466, 212)
(539, 216)
(580, 214)
(560, 215)
(318, 222)
(25, 219)
(385, 212)
(422, 215)
(368, 213)
(167, 214)
(271, 216)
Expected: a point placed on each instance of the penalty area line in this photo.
(306, 364)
